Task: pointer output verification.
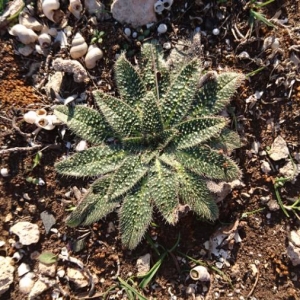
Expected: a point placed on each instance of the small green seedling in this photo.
(249, 213)
(97, 37)
(255, 15)
(48, 258)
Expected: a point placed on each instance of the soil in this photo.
(258, 267)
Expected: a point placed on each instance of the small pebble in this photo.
(134, 34)
(167, 46)
(127, 31)
(4, 172)
(23, 269)
(216, 31)
(60, 273)
(162, 28)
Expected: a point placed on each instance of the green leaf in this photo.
(196, 131)
(215, 95)
(163, 191)
(85, 122)
(208, 163)
(127, 176)
(118, 114)
(154, 71)
(129, 83)
(227, 141)
(94, 206)
(47, 258)
(194, 192)
(151, 120)
(135, 216)
(177, 101)
(91, 162)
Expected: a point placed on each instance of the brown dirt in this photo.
(264, 233)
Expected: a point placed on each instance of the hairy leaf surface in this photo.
(208, 163)
(163, 190)
(196, 131)
(124, 72)
(157, 142)
(135, 216)
(92, 162)
(120, 116)
(85, 122)
(215, 94)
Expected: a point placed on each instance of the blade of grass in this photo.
(132, 289)
(148, 277)
(260, 5)
(261, 17)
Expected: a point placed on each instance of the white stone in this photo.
(61, 273)
(40, 286)
(162, 28)
(290, 170)
(4, 172)
(265, 167)
(26, 283)
(48, 270)
(27, 232)
(295, 237)
(216, 31)
(143, 264)
(81, 146)
(127, 31)
(6, 274)
(23, 269)
(134, 12)
(77, 277)
(279, 149)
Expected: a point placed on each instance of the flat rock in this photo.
(40, 286)
(143, 264)
(48, 270)
(6, 274)
(77, 277)
(27, 232)
(134, 12)
(279, 149)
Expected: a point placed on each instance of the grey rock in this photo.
(27, 232)
(134, 12)
(143, 264)
(293, 252)
(6, 274)
(48, 220)
(279, 149)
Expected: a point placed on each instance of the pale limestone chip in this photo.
(279, 149)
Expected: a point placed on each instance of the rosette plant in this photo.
(155, 144)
